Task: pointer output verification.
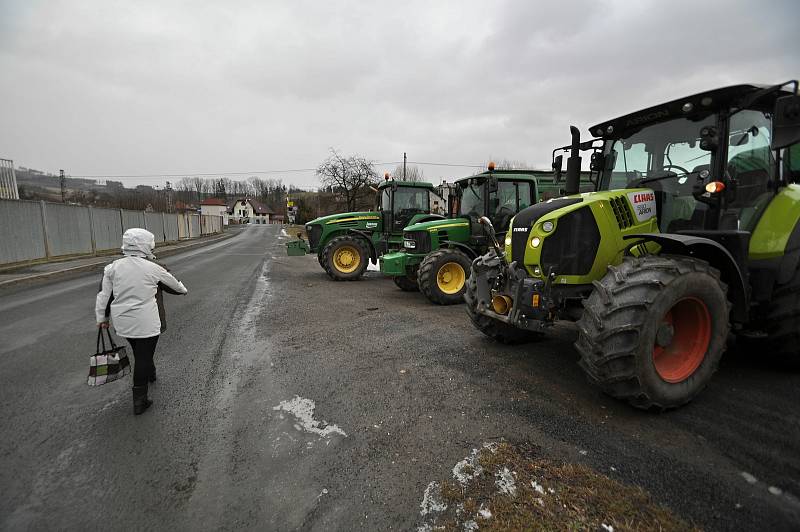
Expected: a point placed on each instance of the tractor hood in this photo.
(435, 225)
(346, 217)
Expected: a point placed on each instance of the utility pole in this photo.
(168, 188)
(404, 166)
(63, 181)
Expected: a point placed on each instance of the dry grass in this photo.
(549, 496)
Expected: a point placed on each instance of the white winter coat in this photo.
(133, 280)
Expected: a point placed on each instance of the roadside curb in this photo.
(110, 258)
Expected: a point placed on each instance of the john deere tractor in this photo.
(437, 254)
(692, 233)
(345, 243)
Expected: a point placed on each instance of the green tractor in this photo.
(345, 243)
(693, 233)
(437, 254)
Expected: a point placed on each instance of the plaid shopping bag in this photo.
(107, 365)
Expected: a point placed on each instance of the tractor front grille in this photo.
(622, 212)
(572, 248)
(422, 240)
(314, 232)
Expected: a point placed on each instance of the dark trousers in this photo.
(143, 351)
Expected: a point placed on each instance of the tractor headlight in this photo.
(535, 242)
(409, 244)
(508, 240)
(547, 226)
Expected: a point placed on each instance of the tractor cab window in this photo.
(385, 201)
(471, 195)
(409, 201)
(750, 169)
(667, 158)
(509, 198)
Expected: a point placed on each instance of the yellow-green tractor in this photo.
(693, 234)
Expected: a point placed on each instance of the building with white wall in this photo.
(215, 207)
(248, 210)
(8, 180)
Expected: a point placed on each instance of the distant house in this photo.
(276, 219)
(248, 210)
(215, 207)
(185, 207)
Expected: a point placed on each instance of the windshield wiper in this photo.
(644, 180)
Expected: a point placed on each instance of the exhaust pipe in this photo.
(502, 304)
(573, 180)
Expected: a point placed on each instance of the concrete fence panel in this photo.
(171, 227)
(154, 223)
(107, 229)
(69, 229)
(21, 231)
(183, 226)
(194, 225)
(132, 219)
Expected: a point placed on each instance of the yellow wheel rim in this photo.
(450, 278)
(346, 259)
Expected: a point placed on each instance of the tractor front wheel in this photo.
(443, 276)
(654, 329)
(345, 258)
(407, 283)
(497, 330)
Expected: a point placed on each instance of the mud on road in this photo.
(416, 387)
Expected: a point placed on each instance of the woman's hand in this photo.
(103, 325)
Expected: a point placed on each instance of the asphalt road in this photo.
(402, 391)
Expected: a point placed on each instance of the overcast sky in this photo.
(169, 87)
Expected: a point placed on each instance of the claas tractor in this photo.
(691, 239)
(437, 255)
(345, 243)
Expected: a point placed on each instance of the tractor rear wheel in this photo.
(345, 258)
(321, 258)
(443, 276)
(654, 329)
(407, 283)
(497, 330)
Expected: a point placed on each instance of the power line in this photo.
(257, 172)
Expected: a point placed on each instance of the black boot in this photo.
(140, 400)
(152, 377)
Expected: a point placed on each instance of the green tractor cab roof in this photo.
(411, 184)
(510, 175)
(694, 107)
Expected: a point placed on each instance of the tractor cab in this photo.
(400, 201)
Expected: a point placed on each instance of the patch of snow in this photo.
(583, 453)
(303, 410)
(505, 481)
(284, 233)
(468, 468)
(485, 512)
(749, 478)
(432, 500)
(551, 490)
(537, 487)
(609, 528)
(540, 501)
(775, 490)
(470, 526)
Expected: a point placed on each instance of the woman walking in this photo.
(131, 284)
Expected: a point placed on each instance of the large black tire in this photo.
(497, 330)
(654, 329)
(321, 258)
(431, 276)
(406, 283)
(781, 321)
(340, 248)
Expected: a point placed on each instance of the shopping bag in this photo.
(109, 363)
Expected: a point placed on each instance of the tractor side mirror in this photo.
(786, 122)
(558, 163)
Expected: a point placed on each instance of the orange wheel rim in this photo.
(682, 340)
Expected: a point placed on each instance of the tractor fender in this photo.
(373, 254)
(429, 218)
(716, 255)
(468, 251)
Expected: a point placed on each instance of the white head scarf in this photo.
(138, 242)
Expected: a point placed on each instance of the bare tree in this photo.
(347, 175)
(413, 173)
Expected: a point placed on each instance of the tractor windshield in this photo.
(471, 194)
(666, 157)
